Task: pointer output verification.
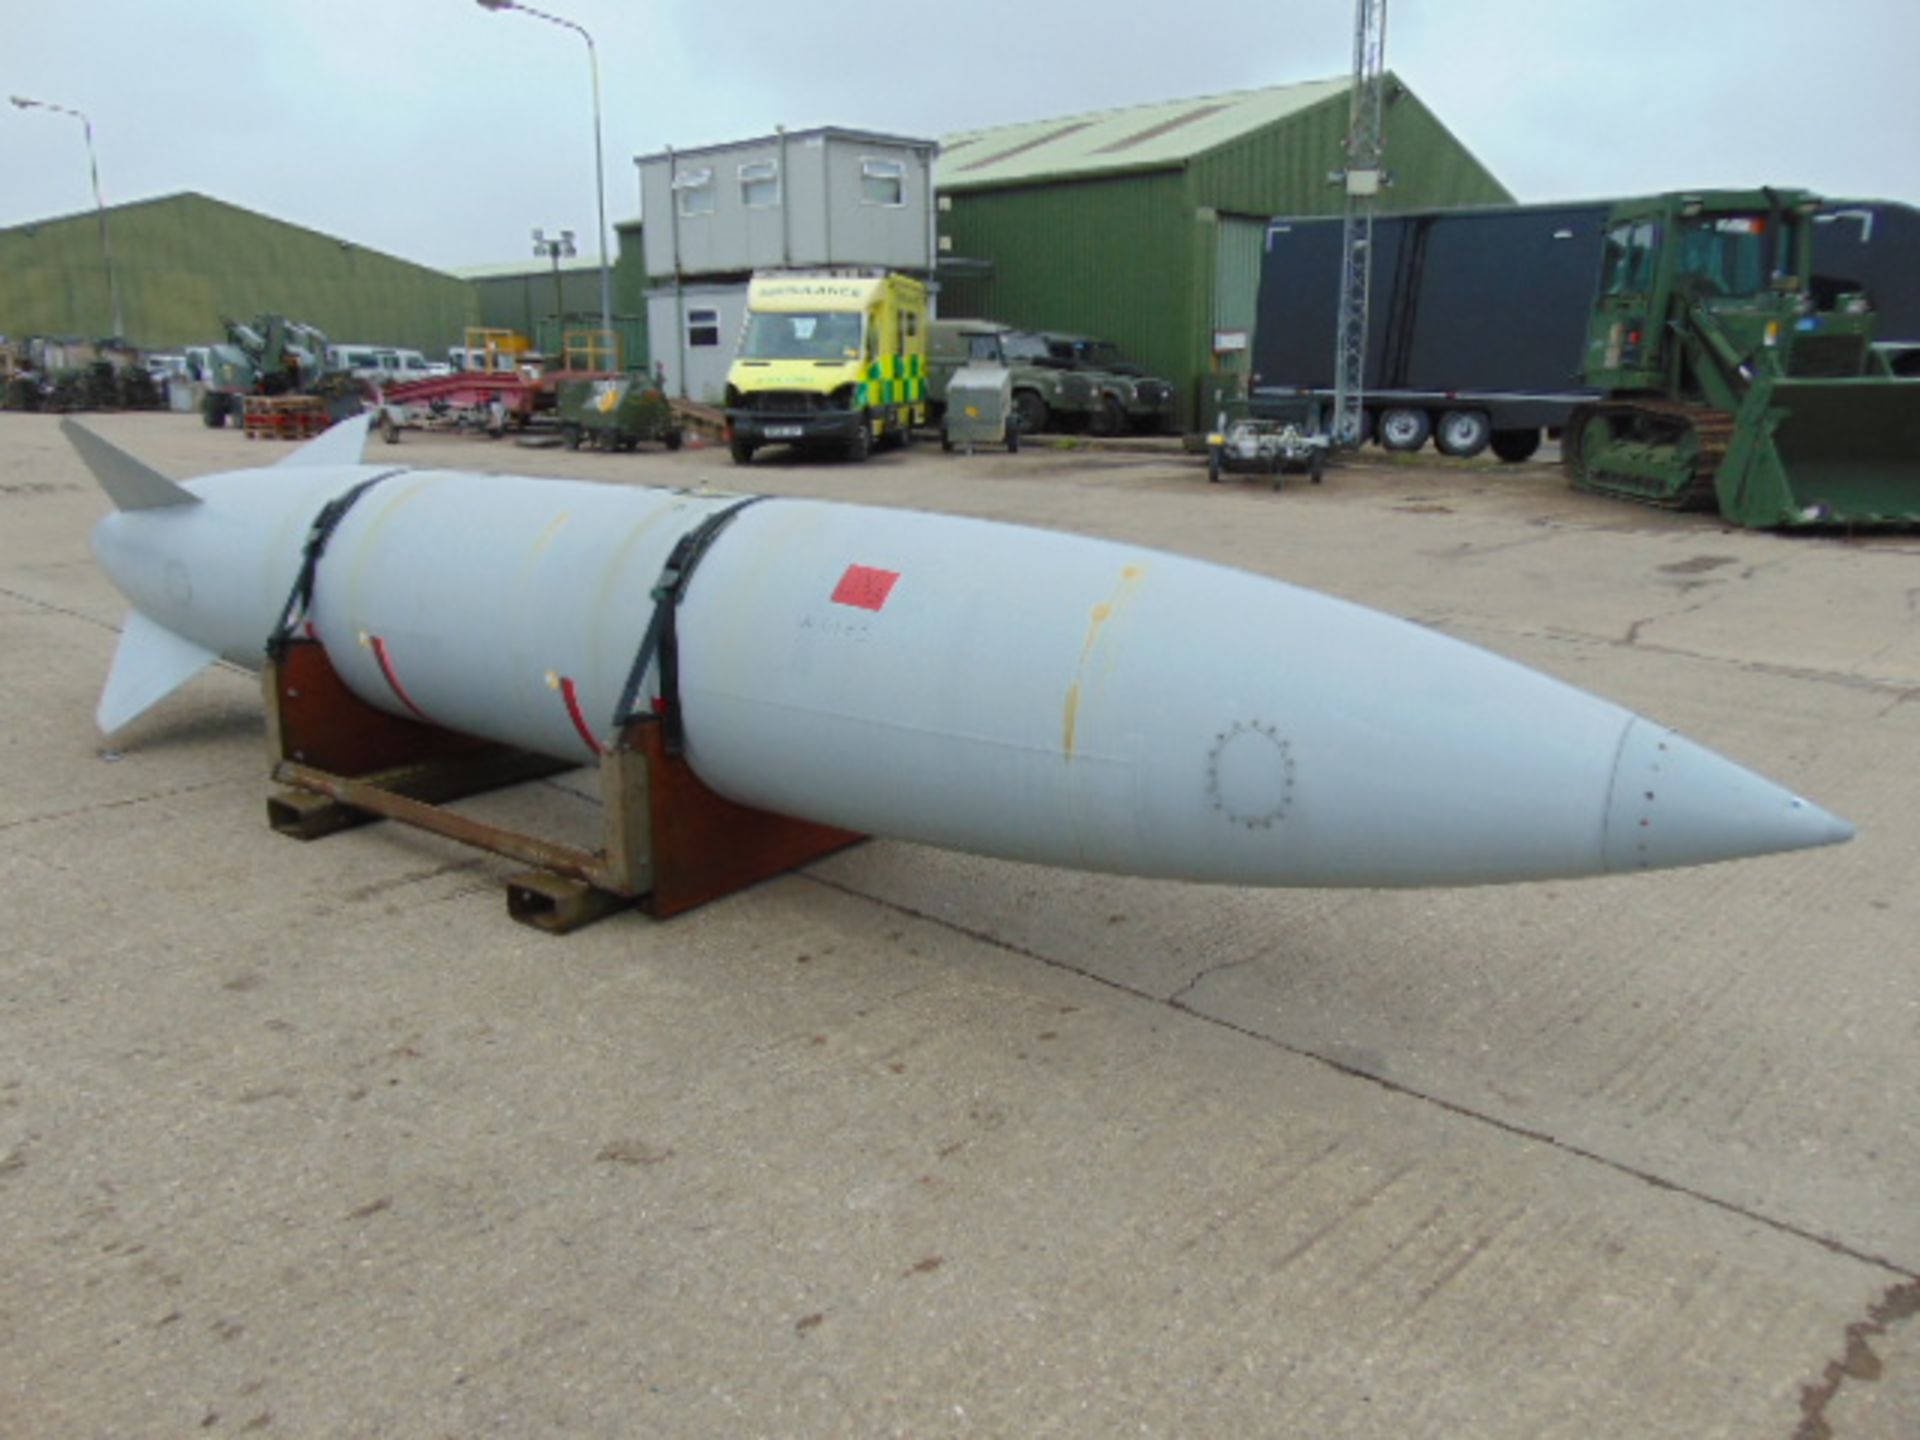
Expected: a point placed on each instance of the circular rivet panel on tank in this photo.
(1250, 774)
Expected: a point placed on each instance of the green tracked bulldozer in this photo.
(1735, 379)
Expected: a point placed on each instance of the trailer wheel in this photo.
(1463, 434)
(1404, 428)
(1515, 446)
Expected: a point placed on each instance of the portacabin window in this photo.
(703, 328)
(760, 184)
(694, 190)
(883, 182)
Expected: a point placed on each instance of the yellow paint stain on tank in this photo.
(1102, 613)
(1130, 578)
(383, 509)
(549, 534)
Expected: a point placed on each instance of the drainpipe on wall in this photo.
(933, 228)
(679, 282)
(786, 238)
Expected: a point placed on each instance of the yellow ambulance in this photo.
(829, 360)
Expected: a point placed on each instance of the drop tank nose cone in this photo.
(1673, 802)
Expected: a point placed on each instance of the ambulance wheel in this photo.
(741, 451)
(860, 444)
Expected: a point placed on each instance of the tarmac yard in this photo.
(312, 1140)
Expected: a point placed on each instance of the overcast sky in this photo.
(443, 133)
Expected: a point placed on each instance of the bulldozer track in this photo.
(1714, 429)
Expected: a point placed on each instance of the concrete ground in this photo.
(312, 1140)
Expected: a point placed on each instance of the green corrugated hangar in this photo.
(1144, 226)
(183, 261)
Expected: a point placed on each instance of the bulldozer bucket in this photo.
(1824, 453)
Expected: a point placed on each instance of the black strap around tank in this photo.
(318, 534)
(662, 638)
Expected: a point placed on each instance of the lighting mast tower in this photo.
(1362, 179)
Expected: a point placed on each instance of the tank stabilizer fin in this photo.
(131, 484)
(151, 663)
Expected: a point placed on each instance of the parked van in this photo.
(362, 360)
(829, 360)
(381, 364)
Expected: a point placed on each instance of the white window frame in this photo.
(694, 194)
(873, 168)
(760, 173)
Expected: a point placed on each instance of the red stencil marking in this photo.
(864, 587)
(570, 694)
(386, 669)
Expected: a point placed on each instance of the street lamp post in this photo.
(599, 165)
(553, 249)
(99, 205)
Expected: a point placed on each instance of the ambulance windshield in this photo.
(801, 335)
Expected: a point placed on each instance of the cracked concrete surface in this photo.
(311, 1140)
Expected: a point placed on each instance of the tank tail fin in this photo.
(151, 663)
(343, 443)
(131, 484)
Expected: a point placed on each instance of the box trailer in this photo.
(1478, 322)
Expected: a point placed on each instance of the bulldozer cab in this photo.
(1744, 258)
(1710, 339)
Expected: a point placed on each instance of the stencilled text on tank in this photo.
(833, 627)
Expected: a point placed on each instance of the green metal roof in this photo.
(176, 197)
(1140, 137)
(508, 269)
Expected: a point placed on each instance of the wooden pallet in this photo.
(282, 417)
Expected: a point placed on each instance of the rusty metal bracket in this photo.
(669, 843)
